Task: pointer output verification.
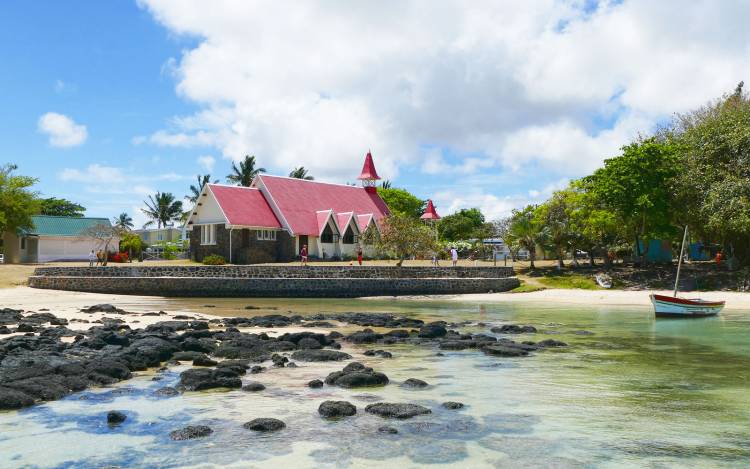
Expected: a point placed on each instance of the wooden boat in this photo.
(672, 306)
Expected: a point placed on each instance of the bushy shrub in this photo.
(214, 259)
(119, 257)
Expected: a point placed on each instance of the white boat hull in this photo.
(682, 307)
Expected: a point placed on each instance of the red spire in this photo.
(368, 170)
(429, 212)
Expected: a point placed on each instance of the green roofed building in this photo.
(54, 239)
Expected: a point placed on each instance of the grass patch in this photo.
(526, 288)
(569, 281)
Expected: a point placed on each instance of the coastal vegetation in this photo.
(401, 235)
(17, 201)
(695, 171)
(61, 208)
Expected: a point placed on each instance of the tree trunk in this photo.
(592, 262)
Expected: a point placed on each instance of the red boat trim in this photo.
(684, 301)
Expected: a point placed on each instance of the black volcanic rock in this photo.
(264, 425)
(191, 432)
(334, 409)
(398, 411)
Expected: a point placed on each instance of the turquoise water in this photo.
(629, 391)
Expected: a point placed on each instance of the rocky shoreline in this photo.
(43, 359)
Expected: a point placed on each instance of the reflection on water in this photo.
(629, 391)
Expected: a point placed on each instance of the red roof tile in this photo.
(363, 221)
(299, 200)
(342, 220)
(322, 218)
(245, 206)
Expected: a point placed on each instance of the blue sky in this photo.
(488, 104)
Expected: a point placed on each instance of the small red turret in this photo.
(369, 175)
(430, 213)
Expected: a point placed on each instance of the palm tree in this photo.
(525, 232)
(243, 176)
(162, 208)
(385, 184)
(123, 221)
(300, 173)
(197, 189)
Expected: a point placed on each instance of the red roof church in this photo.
(272, 219)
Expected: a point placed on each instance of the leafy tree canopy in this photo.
(402, 202)
(638, 186)
(17, 201)
(402, 235)
(713, 188)
(61, 208)
(464, 224)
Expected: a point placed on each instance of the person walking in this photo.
(303, 254)
(454, 256)
(359, 255)
(92, 258)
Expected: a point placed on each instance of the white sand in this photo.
(735, 300)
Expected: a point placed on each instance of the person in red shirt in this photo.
(359, 255)
(303, 254)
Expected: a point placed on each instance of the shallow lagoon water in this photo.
(629, 391)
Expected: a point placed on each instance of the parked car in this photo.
(2, 258)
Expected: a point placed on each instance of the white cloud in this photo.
(62, 130)
(492, 206)
(516, 84)
(206, 162)
(94, 173)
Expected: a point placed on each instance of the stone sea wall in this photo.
(274, 287)
(275, 281)
(276, 271)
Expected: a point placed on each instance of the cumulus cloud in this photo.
(62, 130)
(557, 86)
(206, 162)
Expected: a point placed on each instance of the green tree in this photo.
(17, 202)
(132, 244)
(197, 189)
(554, 215)
(162, 208)
(638, 187)
(713, 188)
(402, 202)
(124, 221)
(301, 173)
(594, 228)
(464, 224)
(524, 232)
(61, 208)
(402, 235)
(244, 174)
(386, 184)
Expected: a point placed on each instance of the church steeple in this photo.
(369, 176)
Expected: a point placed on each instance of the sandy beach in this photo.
(735, 300)
(68, 304)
